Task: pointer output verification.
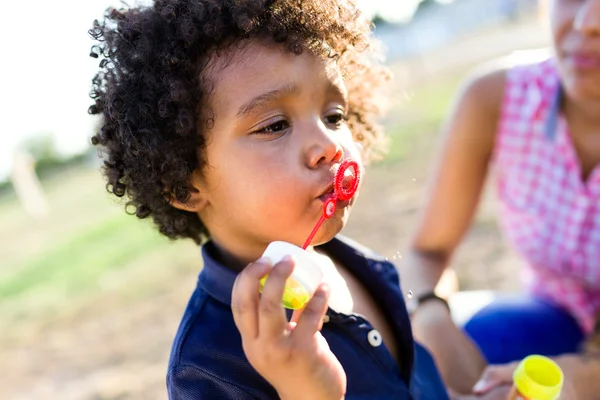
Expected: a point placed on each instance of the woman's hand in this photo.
(494, 376)
(501, 376)
(292, 356)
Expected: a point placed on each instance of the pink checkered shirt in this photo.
(547, 212)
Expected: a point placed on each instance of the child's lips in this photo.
(326, 196)
(339, 203)
(585, 61)
(329, 191)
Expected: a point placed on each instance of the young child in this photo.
(225, 122)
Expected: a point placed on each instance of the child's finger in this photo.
(272, 321)
(311, 318)
(245, 297)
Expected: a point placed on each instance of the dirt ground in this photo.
(116, 347)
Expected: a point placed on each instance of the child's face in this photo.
(278, 135)
(576, 34)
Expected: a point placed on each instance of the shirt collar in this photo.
(215, 279)
(545, 97)
(552, 119)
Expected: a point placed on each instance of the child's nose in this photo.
(323, 149)
(587, 20)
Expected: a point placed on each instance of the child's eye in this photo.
(274, 128)
(335, 119)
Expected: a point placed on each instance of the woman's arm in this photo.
(453, 194)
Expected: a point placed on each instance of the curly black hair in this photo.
(150, 92)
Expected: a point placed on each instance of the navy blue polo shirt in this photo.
(207, 360)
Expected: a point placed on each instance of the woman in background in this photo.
(538, 126)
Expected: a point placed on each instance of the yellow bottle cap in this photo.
(538, 378)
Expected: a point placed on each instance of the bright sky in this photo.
(46, 71)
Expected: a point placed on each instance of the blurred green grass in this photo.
(75, 263)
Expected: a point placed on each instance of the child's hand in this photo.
(293, 357)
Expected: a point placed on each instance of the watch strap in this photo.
(423, 298)
(431, 296)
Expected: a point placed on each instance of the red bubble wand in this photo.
(344, 187)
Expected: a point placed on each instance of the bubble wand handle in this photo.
(313, 233)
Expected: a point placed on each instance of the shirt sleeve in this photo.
(189, 382)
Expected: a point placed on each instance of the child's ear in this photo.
(197, 200)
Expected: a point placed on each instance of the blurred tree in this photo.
(6, 188)
(378, 20)
(425, 4)
(48, 161)
(41, 147)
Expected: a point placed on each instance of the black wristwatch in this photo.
(412, 303)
